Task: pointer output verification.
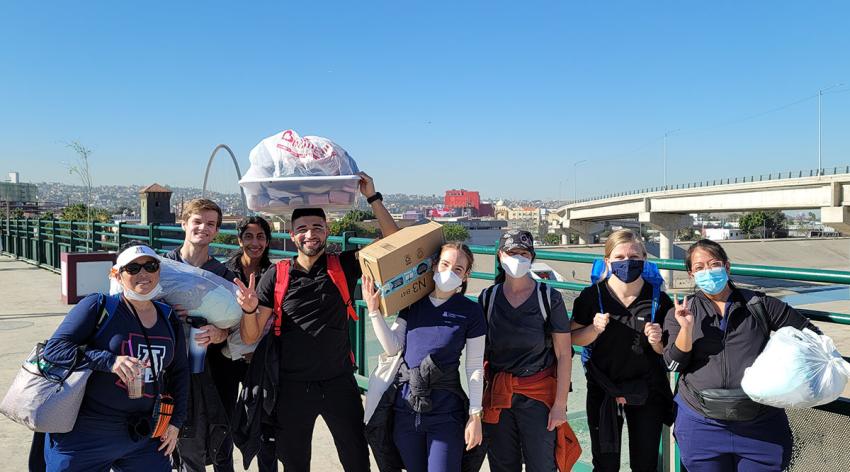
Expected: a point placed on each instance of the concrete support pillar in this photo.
(837, 217)
(584, 229)
(565, 238)
(666, 238)
(666, 224)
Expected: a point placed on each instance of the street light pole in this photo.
(667, 133)
(820, 94)
(575, 179)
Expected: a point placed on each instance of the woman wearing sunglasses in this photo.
(712, 337)
(136, 350)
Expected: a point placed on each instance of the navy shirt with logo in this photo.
(120, 335)
(440, 331)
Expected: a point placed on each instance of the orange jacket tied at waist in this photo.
(541, 387)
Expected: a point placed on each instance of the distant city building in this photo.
(722, 234)
(487, 210)
(413, 215)
(156, 205)
(15, 195)
(466, 202)
(531, 219)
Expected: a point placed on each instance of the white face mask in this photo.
(516, 266)
(131, 295)
(447, 281)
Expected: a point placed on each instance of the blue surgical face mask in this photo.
(627, 270)
(712, 281)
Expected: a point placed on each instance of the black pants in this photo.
(645, 423)
(338, 402)
(521, 434)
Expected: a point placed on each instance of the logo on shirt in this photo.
(453, 316)
(157, 354)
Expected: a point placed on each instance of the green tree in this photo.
(359, 215)
(551, 239)
(686, 234)
(81, 212)
(352, 222)
(455, 232)
(762, 223)
(226, 239)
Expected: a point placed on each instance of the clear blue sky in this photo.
(502, 97)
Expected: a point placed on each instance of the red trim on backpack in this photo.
(338, 278)
(281, 285)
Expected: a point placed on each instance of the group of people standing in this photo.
(515, 344)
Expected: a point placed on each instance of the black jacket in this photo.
(203, 391)
(718, 358)
(256, 403)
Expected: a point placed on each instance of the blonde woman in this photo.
(619, 320)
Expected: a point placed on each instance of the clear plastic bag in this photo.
(797, 369)
(202, 293)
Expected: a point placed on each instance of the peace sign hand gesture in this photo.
(247, 296)
(683, 312)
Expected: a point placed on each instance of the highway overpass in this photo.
(668, 210)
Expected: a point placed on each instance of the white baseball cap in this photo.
(134, 252)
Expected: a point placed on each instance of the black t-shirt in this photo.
(234, 264)
(519, 341)
(622, 352)
(314, 328)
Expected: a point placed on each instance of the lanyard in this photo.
(148, 342)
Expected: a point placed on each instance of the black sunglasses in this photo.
(134, 268)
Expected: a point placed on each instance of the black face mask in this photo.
(628, 270)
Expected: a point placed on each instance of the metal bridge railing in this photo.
(41, 241)
(799, 174)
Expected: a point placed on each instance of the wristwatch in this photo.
(375, 198)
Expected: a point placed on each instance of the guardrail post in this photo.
(72, 247)
(345, 236)
(118, 235)
(93, 236)
(152, 235)
(54, 244)
(39, 248)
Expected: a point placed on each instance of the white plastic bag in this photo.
(289, 171)
(200, 292)
(288, 155)
(797, 369)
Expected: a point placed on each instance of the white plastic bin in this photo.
(282, 195)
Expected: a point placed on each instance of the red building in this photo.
(467, 203)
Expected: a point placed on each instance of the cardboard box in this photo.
(402, 264)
